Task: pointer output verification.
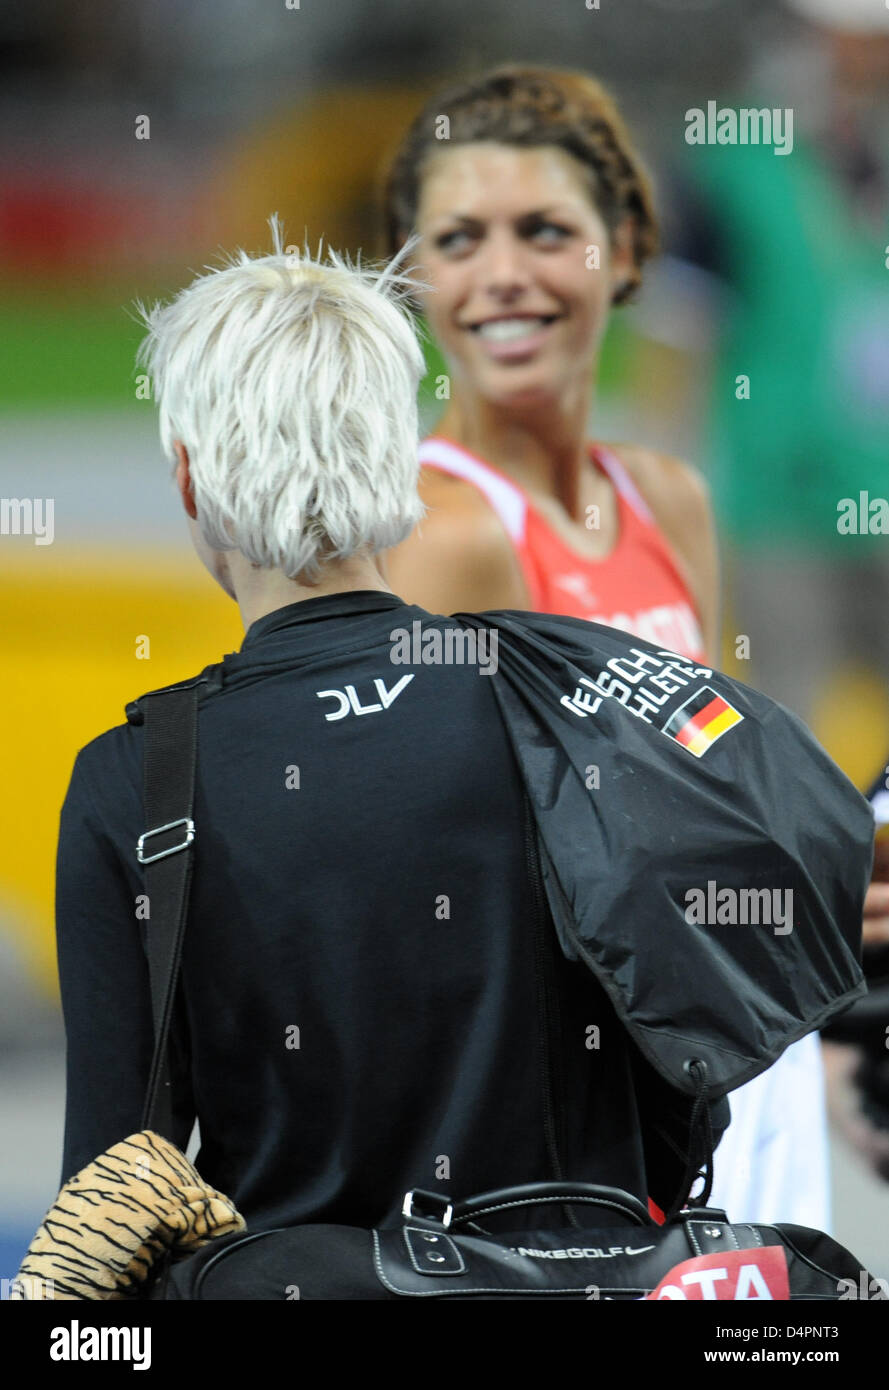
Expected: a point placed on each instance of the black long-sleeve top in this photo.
(360, 1009)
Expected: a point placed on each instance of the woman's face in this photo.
(509, 242)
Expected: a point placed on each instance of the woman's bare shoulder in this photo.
(458, 512)
(459, 557)
(673, 488)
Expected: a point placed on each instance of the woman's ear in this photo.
(183, 479)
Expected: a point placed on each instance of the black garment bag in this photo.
(440, 1248)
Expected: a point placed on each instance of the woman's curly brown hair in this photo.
(527, 106)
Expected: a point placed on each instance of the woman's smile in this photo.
(514, 337)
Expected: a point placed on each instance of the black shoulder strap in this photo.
(166, 850)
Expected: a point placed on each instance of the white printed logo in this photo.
(348, 698)
(576, 1252)
(578, 585)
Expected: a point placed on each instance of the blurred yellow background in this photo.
(70, 629)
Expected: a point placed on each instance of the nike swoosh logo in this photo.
(641, 1251)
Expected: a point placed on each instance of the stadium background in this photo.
(255, 107)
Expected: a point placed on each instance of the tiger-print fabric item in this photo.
(118, 1216)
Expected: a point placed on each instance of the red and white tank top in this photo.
(639, 587)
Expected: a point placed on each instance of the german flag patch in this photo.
(703, 719)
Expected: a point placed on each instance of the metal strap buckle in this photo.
(159, 830)
(442, 1207)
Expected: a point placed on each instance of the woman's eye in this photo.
(457, 240)
(550, 232)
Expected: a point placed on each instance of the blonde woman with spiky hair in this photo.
(359, 1009)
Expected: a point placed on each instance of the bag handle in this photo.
(532, 1194)
(166, 851)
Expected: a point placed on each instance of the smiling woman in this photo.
(534, 216)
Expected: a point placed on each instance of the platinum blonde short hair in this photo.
(292, 383)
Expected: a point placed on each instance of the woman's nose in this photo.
(504, 267)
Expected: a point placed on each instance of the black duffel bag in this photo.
(441, 1250)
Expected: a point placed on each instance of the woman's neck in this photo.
(544, 451)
